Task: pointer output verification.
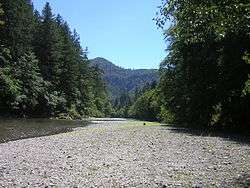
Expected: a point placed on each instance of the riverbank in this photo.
(16, 129)
(124, 153)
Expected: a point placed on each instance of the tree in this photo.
(1, 14)
(17, 32)
(69, 68)
(205, 71)
(122, 105)
(43, 69)
(49, 47)
(101, 99)
(147, 105)
(32, 86)
(9, 85)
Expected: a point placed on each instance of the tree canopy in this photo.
(205, 77)
(44, 70)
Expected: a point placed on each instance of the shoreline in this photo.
(124, 154)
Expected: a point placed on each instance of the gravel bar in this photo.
(124, 153)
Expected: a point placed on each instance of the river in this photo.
(15, 129)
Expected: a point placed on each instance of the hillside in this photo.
(120, 80)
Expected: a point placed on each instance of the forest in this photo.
(44, 71)
(72, 119)
(121, 80)
(204, 79)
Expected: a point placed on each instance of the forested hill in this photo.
(120, 80)
(44, 71)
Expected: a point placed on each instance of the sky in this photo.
(121, 31)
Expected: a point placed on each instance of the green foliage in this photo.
(146, 107)
(55, 103)
(1, 14)
(17, 33)
(100, 97)
(32, 86)
(9, 85)
(120, 80)
(165, 115)
(43, 69)
(122, 105)
(246, 89)
(144, 104)
(149, 106)
(74, 113)
(49, 46)
(204, 78)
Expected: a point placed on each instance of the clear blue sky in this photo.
(121, 31)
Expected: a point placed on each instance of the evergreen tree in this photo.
(101, 99)
(69, 68)
(17, 33)
(9, 85)
(85, 104)
(32, 85)
(43, 68)
(50, 45)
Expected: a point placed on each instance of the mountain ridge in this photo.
(122, 80)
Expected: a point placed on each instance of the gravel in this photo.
(124, 153)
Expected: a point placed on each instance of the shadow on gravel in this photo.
(236, 137)
(242, 181)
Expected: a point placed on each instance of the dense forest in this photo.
(205, 80)
(44, 71)
(125, 86)
(143, 103)
(120, 80)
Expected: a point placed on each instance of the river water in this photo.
(15, 129)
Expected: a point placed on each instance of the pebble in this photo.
(123, 154)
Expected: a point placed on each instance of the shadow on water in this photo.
(16, 129)
(242, 138)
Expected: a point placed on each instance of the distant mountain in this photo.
(120, 80)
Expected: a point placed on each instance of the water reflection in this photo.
(15, 129)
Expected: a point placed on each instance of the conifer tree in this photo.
(32, 85)
(17, 33)
(43, 68)
(101, 99)
(69, 67)
(49, 49)
(9, 85)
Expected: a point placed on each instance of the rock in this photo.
(106, 154)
